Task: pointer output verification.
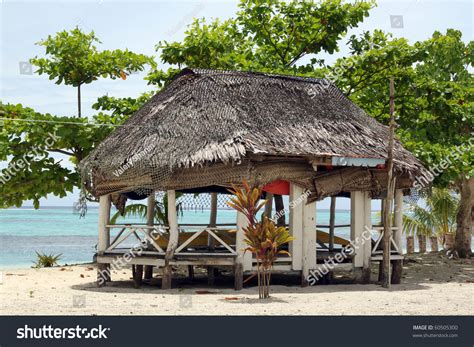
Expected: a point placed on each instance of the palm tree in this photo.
(436, 219)
(140, 210)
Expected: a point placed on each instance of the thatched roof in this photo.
(211, 117)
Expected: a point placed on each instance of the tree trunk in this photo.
(397, 271)
(448, 241)
(422, 243)
(462, 241)
(410, 244)
(280, 210)
(434, 244)
(79, 101)
(332, 222)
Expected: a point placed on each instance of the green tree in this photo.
(28, 138)
(434, 104)
(272, 36)
(72, 58)
(265, 35)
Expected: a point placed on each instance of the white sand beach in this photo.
(432, 285)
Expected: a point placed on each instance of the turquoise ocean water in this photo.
(58, 230)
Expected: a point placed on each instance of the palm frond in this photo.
(437, 217)
(133, 210)
(140, 210)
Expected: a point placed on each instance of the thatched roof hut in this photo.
(210, 128)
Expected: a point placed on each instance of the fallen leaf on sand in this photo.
(82, 276)
(233, 298)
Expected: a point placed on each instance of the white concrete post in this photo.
(243, 261)
(104, 219)
(398, 218)
(103, 270)
(309, 240)
(367, 230)
(296, 227)
(357, 227)
(360, 220)
(244, 258)
(172, 241)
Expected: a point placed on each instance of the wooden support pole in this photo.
(137, 274)
(280, 209)
(309, 240)
(167, 276)
(382, 209)
(332, 223)
(367, 238)
(191, 273)
(398, 219)
(211, 273)
(296, 227)
(173, 239)
(243, 261)
(213, 215)
(103, 270)
(269, 205)
(150, 221)
(387, 216)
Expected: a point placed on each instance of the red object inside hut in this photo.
(279, 187)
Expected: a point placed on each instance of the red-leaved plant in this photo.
(263, 238)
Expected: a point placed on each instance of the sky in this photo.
(139, 26)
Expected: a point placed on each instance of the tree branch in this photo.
(62, 151)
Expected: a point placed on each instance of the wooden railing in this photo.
(380, 230)
(150, 236)
(144, 234)
(212, 233)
